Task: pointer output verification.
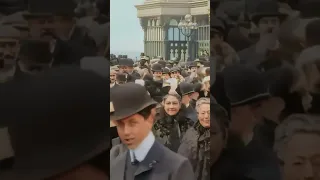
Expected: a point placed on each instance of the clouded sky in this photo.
(126, 34)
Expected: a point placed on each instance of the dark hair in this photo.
(146, 112)
(219, 114)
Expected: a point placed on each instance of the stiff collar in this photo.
(142, 150)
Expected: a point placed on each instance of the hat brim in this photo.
(33, 15)
(253, 99)
(129, 112)
(44, 166)
(256, 17)
(189, 92)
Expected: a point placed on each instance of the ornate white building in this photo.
(159, 20)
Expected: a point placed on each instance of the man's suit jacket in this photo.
(159, 164)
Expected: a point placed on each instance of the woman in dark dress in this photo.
(195, 144)
(172, 123)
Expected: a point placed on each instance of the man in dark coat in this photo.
(126, 66)
(34, 136)
(246, 156)
(132, 108)
(69, 43)
(268, 19)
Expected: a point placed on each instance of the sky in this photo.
(126, 34)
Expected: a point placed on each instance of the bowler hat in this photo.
(186, 88)
(156, 67)
(267, 9)
(127, 100)
(7, 31)
(126, 62)
(50, 7)
(174, 69)
(244, 85)
(165, 71)
(61, 125)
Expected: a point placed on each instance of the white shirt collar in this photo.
(142, 150)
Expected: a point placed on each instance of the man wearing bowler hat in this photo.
(267, 18)
(247, 91)
(68, 139)
(54, 21)
(132, 110)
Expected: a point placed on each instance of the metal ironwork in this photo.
(188, 28)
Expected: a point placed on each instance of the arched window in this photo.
(174, 33)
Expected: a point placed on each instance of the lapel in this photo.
(120, 166)
(153, 157)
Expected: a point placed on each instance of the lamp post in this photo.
(187, 28)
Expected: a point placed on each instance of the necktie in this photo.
(135, 161)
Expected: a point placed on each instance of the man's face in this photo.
(157, 74)
(132, 130)
(302, 157)
(165, 76)
(44, 26)
(268, 25)
(113, 76)
(9, 49)
(125, 69)
(193, 69)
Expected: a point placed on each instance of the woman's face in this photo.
(217, 141)
(171, 105)
(204, 115)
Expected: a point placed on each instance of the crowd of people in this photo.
(159, 103)
(267, 64)
(54, 73)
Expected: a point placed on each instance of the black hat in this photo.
(51, 7)
(122, 77)
(62, 115)
(197, 87)
(128, 99)
(244, 85)
(156, 67)
(168, 65)
(280, 80)
(267, 9)
(165, 71)
(186, 88)
(126, 62)
(163, 63)
(193, 64)
(216, 25)
(174, 69)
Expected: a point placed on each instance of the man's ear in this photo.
(152, 116)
